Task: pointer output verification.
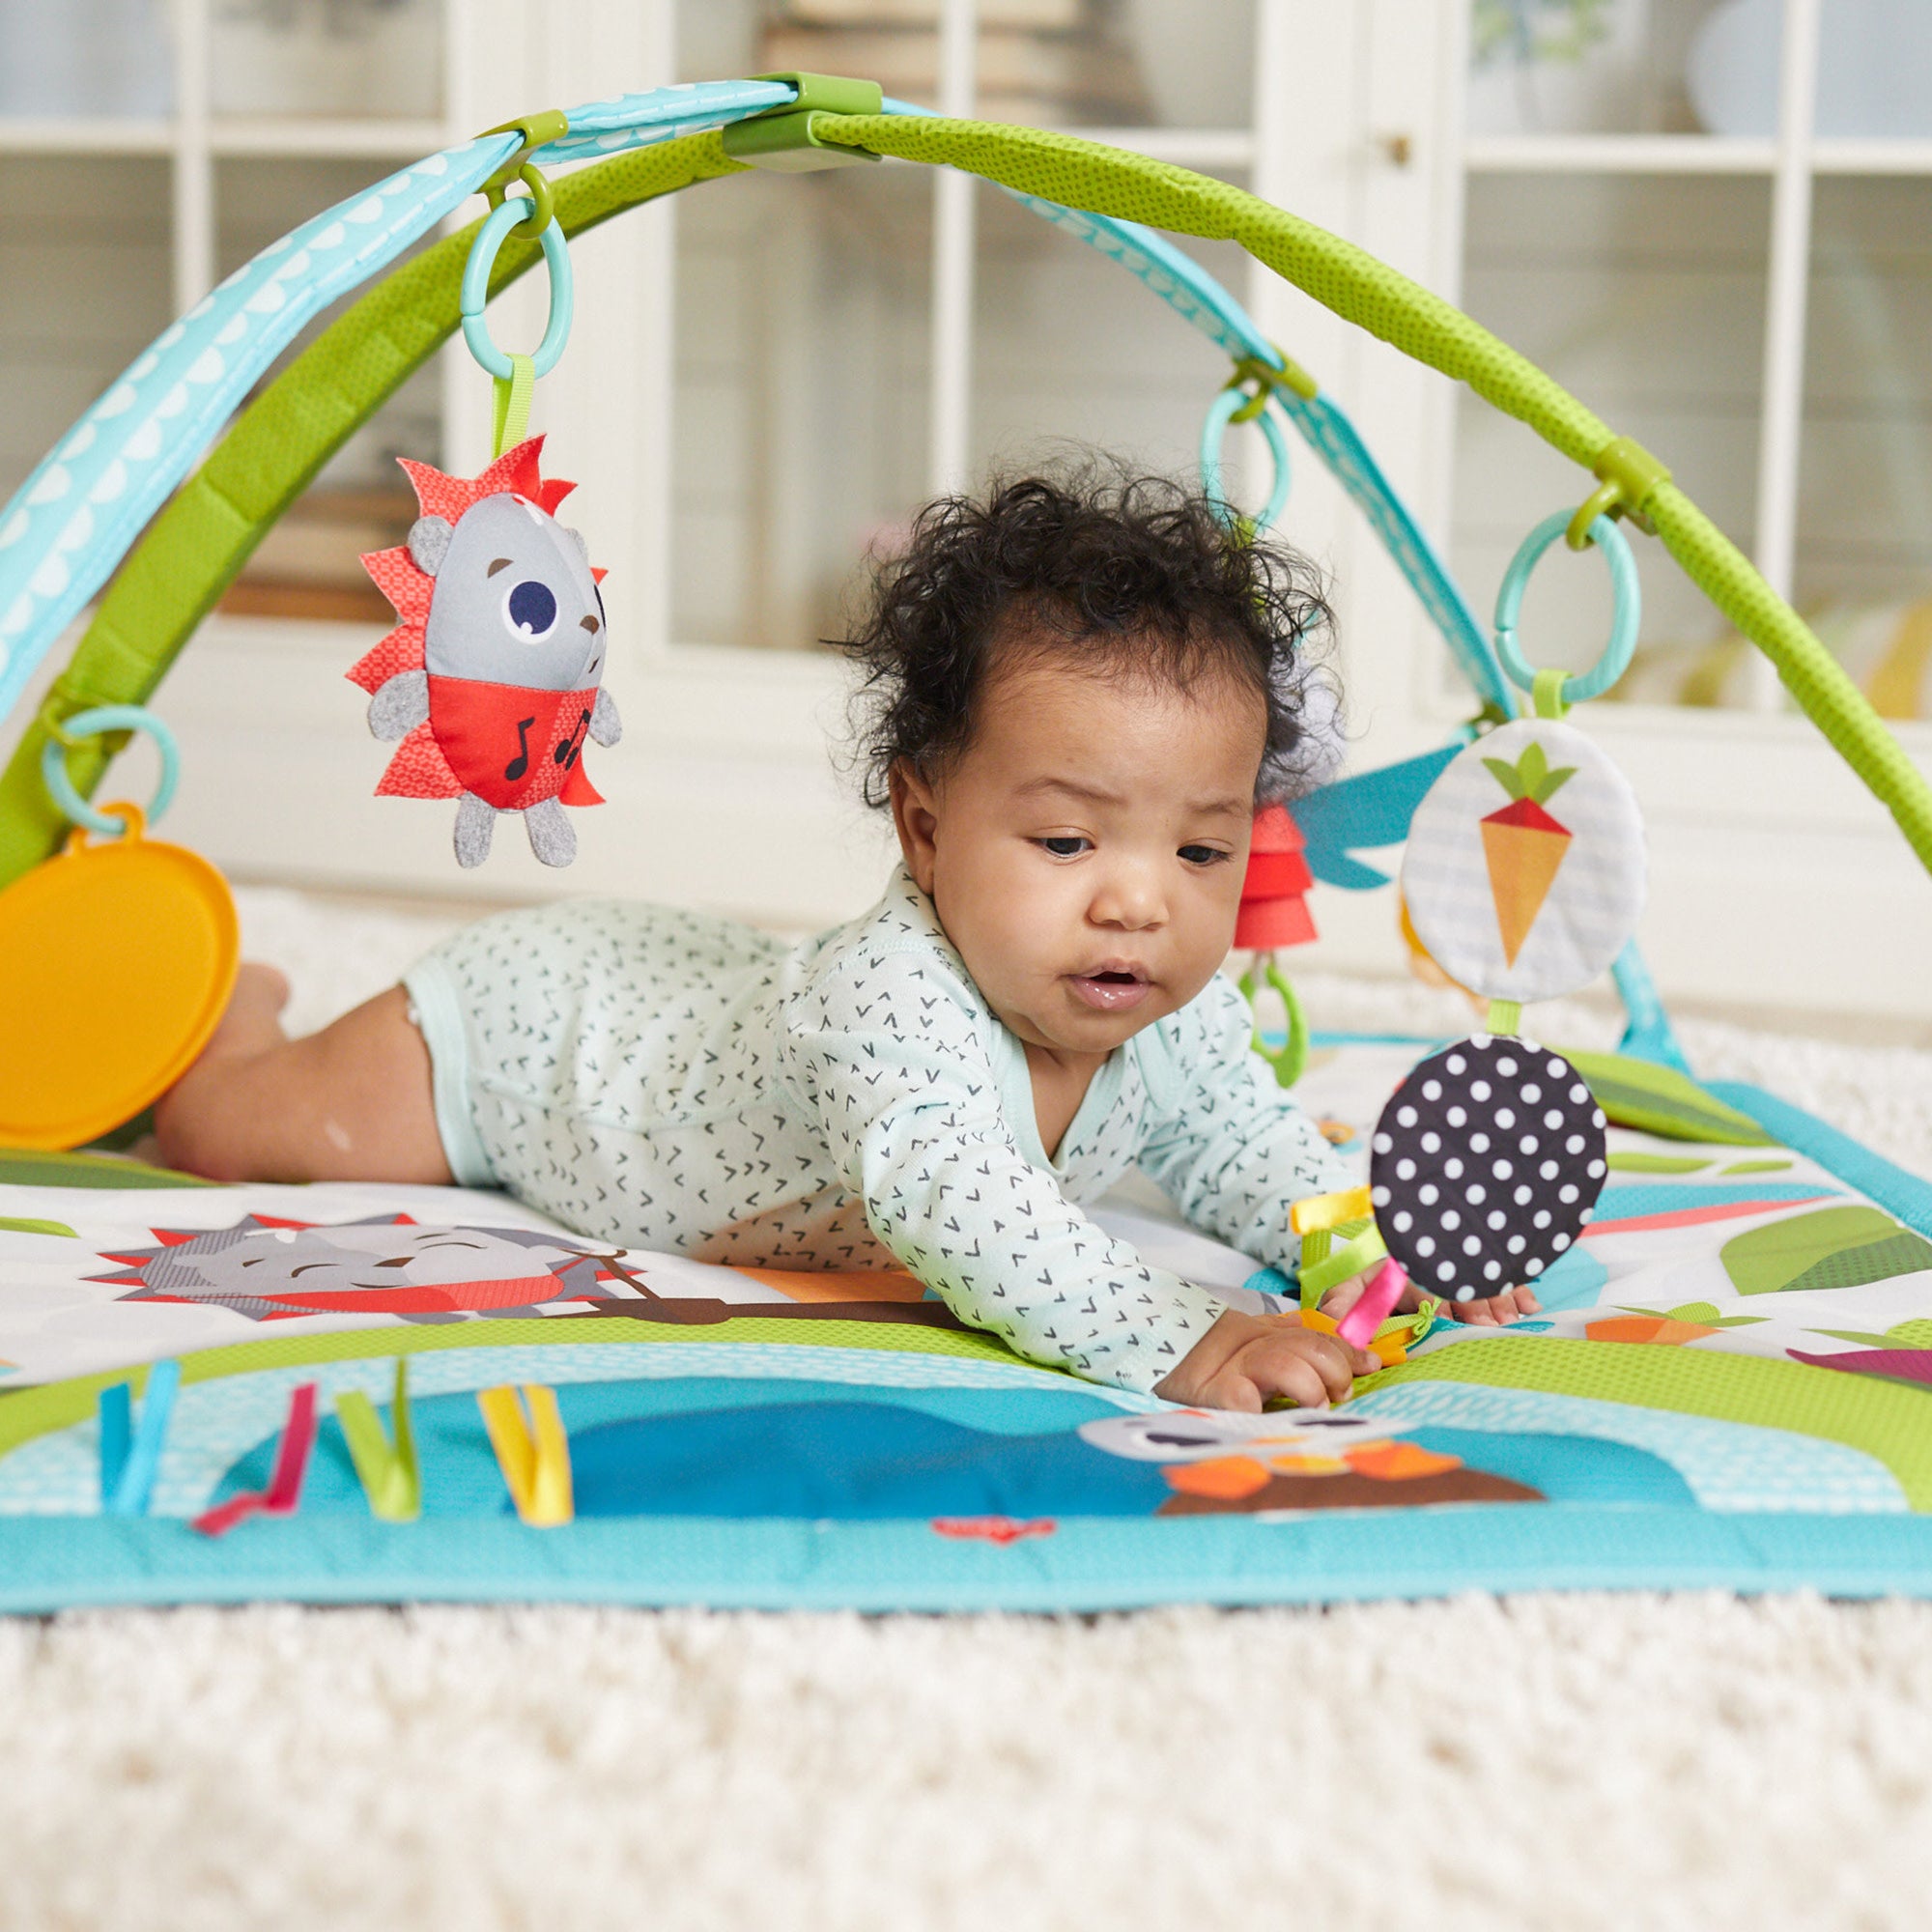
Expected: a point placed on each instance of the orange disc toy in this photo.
(117, 958)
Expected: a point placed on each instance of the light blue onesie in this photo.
(661, 1080)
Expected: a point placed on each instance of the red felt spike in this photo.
(437, 494)
(518, 470)
(419, 769)
(399, 650)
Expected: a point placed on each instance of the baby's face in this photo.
(1086, 851)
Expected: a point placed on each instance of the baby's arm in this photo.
(1224, 1141)
(885, 1051)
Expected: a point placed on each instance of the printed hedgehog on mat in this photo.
(493, 676)
(271, 1270)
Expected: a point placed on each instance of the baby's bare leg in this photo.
(351, 1103)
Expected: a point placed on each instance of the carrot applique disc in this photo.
(1525, 871)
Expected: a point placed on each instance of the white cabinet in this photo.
(771, 374)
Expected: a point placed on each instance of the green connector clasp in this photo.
(783, 139)
(539, 131)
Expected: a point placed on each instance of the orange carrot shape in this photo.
(1522, 845)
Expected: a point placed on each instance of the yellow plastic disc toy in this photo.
(117, 958)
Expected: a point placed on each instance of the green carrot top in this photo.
(1531, 775)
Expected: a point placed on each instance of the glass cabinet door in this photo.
(1863, 552)
(79, 297)
(801, 360)
(329, 59)
(1552, 69)
(801, 375)
(1039, 63)
(1644, 295)
(309, 565)
(1719, 244)
(1072, 355)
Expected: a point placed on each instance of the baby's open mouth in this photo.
(1111, 988)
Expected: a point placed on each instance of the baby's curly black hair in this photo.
(1133, 574)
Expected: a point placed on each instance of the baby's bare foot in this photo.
(253, 1020)
(250, 1025)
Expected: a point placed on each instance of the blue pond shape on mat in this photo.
(712, 1447)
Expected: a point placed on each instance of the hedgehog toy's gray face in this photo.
(361, 1256)
(514, 602)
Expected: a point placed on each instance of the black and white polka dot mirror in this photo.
(1486, 1165)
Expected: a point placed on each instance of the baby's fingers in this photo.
(1334, 1364)
(1342, 1298)
(1279, 1371)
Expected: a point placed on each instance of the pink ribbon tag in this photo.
(283, 1495)
(1359, 1327)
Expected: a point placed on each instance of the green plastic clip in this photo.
(1628, 477)
(783, 140)
(1290, 1058)
(539, 131)
(1266, 378)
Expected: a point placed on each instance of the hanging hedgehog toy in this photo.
(492, 678)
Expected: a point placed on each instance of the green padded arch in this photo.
(193, 549)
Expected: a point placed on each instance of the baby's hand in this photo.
(1343, 1295)
(1497, 1309)
(1245, 1359)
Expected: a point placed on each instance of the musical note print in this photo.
(568, 748)
(521, 763)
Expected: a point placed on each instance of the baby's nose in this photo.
(1130, 898)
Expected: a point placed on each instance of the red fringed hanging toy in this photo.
(1274, 894)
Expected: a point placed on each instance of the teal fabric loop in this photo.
(86, 724)
(514, 210)
(1626, 613)
(1220, 412)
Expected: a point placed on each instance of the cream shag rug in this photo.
(1541, 1762)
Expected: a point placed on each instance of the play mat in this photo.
(1731, 1385)
(378, 1393)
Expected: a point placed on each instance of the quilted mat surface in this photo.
(1731, 1384)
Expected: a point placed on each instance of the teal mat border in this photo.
(1088, 1564)
(1896, 1190)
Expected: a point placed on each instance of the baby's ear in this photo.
(429, 543)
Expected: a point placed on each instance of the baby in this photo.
(1080, 690)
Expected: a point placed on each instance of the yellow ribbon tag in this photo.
(532, 1451)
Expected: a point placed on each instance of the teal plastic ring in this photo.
(1220, 412)
(513, 212)
(89, 725)
(1626, 609)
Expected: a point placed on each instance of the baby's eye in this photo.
(1204, 854)
(1065, 847)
